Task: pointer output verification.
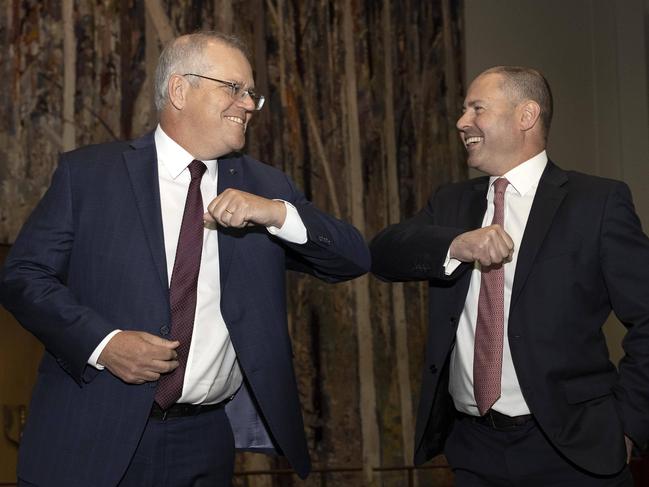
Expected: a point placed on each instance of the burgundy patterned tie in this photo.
(184, 282)
(488, 347)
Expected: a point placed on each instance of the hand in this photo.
(137, 357)
(238, 209)
(629, 448)
(489, 246)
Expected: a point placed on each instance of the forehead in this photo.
(224, 60)
(486, 87)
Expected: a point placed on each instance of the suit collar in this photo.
(549, 195)
(143, 142)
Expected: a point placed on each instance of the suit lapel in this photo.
(549, 196)
(142, 168)
(473, 204)
(230, 176)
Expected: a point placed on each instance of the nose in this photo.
(463, 121)
(247, 102)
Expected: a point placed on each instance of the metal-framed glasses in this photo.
(235, 90)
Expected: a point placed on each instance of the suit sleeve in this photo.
(33, 282)
(415, 249)
(335, 250)
(625, 261)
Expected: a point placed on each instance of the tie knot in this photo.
(500, 185)
(197, 169)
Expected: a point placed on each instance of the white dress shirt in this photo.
(212, 373)
(519, 195)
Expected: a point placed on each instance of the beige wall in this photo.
(594, 54)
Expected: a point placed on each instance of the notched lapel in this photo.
(143, 172)
(548, 198)
(230, 176)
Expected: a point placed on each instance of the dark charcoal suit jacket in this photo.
(91, 259)
(583, 254)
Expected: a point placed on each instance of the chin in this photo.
(473, 163)
(477, 165)
(239, 142)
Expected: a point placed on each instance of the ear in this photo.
(529, 114)
(177, 90)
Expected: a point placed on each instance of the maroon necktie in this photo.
(184, 282)
(488, 347)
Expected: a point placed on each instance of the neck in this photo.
(518, 159)
(175, 132)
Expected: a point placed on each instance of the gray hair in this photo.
(521, 83)
(184, 55)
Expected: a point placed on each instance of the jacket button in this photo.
(453, 320)
(164, 330)
(432, 368)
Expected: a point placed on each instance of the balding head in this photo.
(521, 83)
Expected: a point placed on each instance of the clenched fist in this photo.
(489, 246)
(238, 209)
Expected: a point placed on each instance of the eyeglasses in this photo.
(236, 90)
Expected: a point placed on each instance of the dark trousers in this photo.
(195, 451)
(481, 456)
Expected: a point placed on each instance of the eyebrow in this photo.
(472, 103)
(243, 85)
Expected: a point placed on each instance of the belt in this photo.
(498, 421)
(182, 410)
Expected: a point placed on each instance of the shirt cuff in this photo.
(100, 348)
(450, 264)
(293, 229)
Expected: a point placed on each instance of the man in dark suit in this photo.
(524, 267)
(165, 324)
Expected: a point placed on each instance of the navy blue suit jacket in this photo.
(91, 259)
(583, 254)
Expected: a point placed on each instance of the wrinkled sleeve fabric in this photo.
(335, 250)
(33, 282)
(415, 249)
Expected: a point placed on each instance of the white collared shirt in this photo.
(519, 195)
(212, 373)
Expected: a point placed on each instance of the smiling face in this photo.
(207, 121)
(490, 127)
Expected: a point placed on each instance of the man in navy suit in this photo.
(91, 274)
(524, 266)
